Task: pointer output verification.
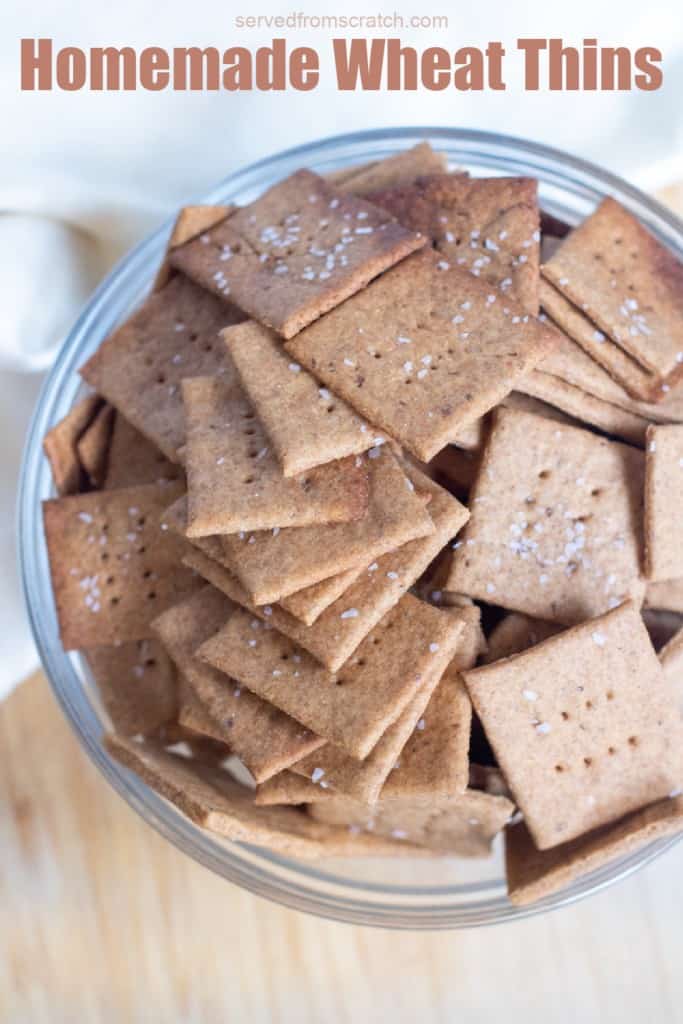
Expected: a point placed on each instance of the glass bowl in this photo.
(398, 893)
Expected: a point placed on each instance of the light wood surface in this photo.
(103, 921)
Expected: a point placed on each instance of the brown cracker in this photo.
(288, 788)
(352, 709)
(339, 630)
(489, 226)
(671, 659)
(664, 502)
(534, 874)
(139, 367)
(516, 633)
(629, 374)
(296, 252)
(191, 222)
(212, 799)
(308, 605)
(272, 565)
(584, 726)
(399, 169)
(234, 481)
(267, 740)
(135, 460)
(668, 595)
(93, 446)
(555, 529)
(137, 685)
(585, 407)
(423, 352)
(59, 445)
(113, 568)
(463, 825)
(627, 282)
(304, 423)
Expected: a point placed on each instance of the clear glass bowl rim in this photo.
(295, 884)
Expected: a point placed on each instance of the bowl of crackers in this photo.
(350, 528)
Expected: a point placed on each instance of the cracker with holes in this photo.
(266, 740)
(556, 522)
(338, 631)
(584, 726)
(113, 568)
(423, 352)
(353, 708)
(664, 502)
(465, 824)
(213, 799)
(533, 874)
(296, 252)
(274, 564)
(399, 169)
(191, 222)
(306, 425)
(489, 226)
(137, 684)
(139, 368)
(234, 481)
(628, 283)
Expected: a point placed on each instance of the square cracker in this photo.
(585, 407)
(423, 352)
(266, 740)
(339, 630)
(296, 252)
(191, 222)
(634, 378)
(463, 825)
(533, 874)
(584, 726)
(289, 788)
(139, 367)
(92, 446)
(272, 565)
(363, 780)
(664, 502)
(137, 684)
(516, 633)
(489, 226)
(556, 522)
(400, 169)
(215, 801)
(234, 481)
(307, 605)
(135, 460)
(113, 568)
(352, 709)
(667, 595)
(628, 283)
(59, 445)
(304, 423)
(671, 660)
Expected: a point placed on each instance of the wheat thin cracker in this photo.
(92, 446)
(135, 460)
(534, 874)
(353, 708)
(113, 568)
(399, 169)
(628, 283)
(556, 519)
(273, 564)
(214, 800)
(667, 595)
(234, 481)
(296, 252)
(664, 502)
(464, 825)
(59, 445)
(137, 684)
(584, 726)
(305, 424)
(267, 740)
(516, 633)
(423, 352)
(489, 226)
(288, 788)
(191, 222)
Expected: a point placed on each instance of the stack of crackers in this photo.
(370, 518)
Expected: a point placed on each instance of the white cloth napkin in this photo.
(84, 175)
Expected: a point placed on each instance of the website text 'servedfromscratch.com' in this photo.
(341, 22)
